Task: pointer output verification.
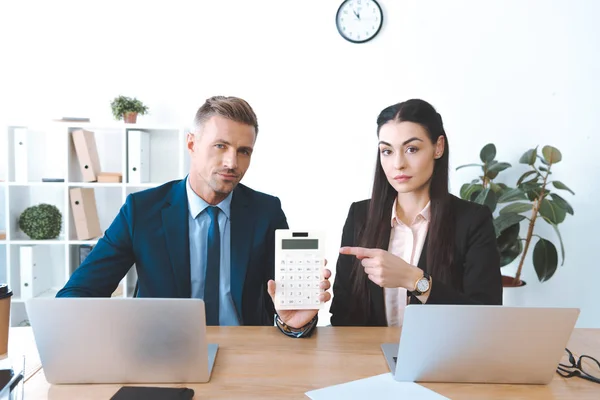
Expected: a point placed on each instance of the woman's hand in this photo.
(384, 268)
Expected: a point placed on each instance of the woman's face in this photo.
(407, 155)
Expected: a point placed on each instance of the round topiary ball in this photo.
(41, 222)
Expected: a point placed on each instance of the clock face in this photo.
(359, 21)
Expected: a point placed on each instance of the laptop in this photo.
(121, 340)
(480, 344)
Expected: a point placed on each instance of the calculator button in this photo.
(290, 277)
(299, 294)
(291, 285)
(291, 269)
(299, 261)
(308, 268)
(300, 269)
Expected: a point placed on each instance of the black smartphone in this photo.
(153, 393)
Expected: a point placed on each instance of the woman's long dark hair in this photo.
(375, 232)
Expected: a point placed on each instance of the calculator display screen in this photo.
(300, 244)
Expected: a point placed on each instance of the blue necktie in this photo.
(213, 266)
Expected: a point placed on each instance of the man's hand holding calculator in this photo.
(300, 317)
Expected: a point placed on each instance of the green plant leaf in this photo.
(544, 169)
(488, 153)
(551, 154)
(467, 191)
(469, 165)
(529, 157)
(487, 197)
(496, 188)
(498, 167)
(562, 203)
(509, 244)
(525, 175)
(562, 186)
(512, 195)
(551, 211)
(532, 190)
(562, 246)
(545, 259)
(516, 208)
(503, 221)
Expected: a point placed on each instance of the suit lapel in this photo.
(377, 293)
(175, 224)
(242, 229)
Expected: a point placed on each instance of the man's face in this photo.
(220, 155)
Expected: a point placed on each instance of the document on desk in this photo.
(380, 387)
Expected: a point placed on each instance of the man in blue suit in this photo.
(206, 236)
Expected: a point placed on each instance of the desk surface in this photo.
(260, 362)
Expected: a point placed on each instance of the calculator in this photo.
(299, 264)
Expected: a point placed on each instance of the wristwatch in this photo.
(422, 285)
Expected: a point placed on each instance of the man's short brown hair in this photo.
(232, 108)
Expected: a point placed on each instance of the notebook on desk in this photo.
(480, 344)
(122, 340)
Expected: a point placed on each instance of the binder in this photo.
(21, 150)
(138, 156)
(87, 154)
(34, 271)
(85, 213)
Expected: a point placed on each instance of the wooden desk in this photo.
(260, 362)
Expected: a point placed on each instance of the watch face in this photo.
(423, 285)
(359, 21)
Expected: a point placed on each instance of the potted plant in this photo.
(531, 199)
(41, 222)
(127, 109)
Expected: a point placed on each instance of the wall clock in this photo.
(359, 21)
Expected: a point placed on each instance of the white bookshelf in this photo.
(50, 153)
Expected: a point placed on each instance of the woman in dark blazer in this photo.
(459, 262)
(412, 241)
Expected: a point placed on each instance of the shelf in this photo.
(100, 125)
(83, 242)
(36, 184)
(29, 242)
(95, 184)
(46, 150)
(144, 185)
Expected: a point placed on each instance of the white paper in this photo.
(380, 387)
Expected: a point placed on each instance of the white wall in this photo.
(518, 73)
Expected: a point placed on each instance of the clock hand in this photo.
(357, 15)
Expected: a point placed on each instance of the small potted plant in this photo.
(41, 222)
(127, 109)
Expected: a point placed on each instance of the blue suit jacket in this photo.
(151, 230)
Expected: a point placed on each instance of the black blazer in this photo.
(476, 266)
